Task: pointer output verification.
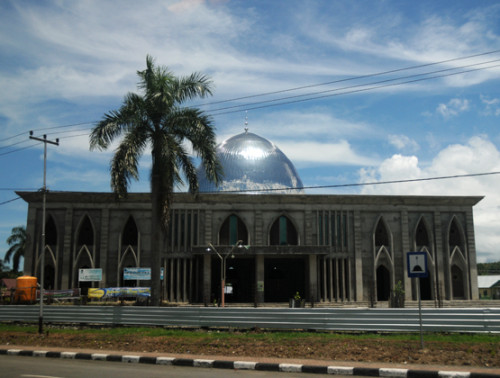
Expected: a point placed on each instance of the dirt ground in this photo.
(317, 348)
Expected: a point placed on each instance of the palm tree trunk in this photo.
(156, 245)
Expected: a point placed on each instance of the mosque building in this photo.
(264, 235)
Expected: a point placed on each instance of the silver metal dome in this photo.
(252, 163)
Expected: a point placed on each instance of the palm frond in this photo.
(192, 86)
(125, 162)
(196, 127)
(116, 122)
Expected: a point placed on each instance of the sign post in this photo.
(417, 268)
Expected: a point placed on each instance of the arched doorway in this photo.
(425, 288)
(383, 283)
(457, 282)
(49, 277)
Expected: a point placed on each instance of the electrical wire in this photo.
(350, 91)
(349, 79)
(308, 96)
(337, 185)
(8, 201)
(331, 186)
(270, 102)
(357, 184)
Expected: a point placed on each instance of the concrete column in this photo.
(67, 267)
(441, 259)
(313, 279)
(207, 279)
(259, 278)
(309, 228)
(358, 258)
(471, 254)
(259, 229)
(31, 244)
(405, 241)
(103, 246)
(208, 237)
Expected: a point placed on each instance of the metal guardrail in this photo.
(334, 319)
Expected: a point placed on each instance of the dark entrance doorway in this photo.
(283, 278)
(383, 283)
(425, 288)
(457, 282)
(240, 280)
(49, 277)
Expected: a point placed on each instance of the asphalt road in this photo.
(40, 367)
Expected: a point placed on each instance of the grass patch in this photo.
(257, 335)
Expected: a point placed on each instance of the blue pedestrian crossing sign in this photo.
(417, 264)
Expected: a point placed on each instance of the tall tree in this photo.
(158, 119)
(17, 243)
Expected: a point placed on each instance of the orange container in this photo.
(25, 289)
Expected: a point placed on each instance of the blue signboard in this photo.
(417, 264)
(139, 274)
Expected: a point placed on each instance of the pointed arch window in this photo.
(130, 235)
(455, 238)
(381, 234)
(86, 232)
(232, 230)
(50, 232)
(421, 236)
(283, 232)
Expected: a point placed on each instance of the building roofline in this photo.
(347, 199)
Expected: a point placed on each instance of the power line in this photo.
(337, 185)
(317, 95)
(245, 106)
(333, 185)
(48, 128)
(349, 78)
(8, 201)
(305, 87)
(359, 184)
(349, 90)
(19, 149)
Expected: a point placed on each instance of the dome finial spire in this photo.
(246, 121)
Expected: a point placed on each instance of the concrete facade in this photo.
(329, 248)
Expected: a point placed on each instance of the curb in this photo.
(248, 365)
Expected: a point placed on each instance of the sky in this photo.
(352, 92)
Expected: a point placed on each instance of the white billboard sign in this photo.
(90, 274)
(138, 273)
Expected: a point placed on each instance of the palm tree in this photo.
(156, 118)
(17, 243)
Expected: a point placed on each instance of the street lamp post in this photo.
(44, 192)
(239, 244)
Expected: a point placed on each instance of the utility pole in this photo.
(44, 192)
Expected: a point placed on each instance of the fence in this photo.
(334, 319)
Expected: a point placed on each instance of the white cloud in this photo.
(311, 153)
(479, 155)
(454, 107)
(492, 106)
(403, 142)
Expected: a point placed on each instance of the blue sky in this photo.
(67, 63)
